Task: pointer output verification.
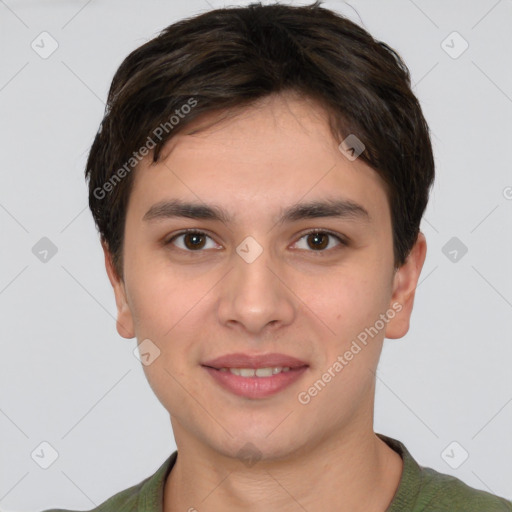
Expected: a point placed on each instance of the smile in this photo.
(255, 383)
(258, 372)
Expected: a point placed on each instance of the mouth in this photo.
(255, 372)
(256, 376)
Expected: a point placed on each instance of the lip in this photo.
(240, 360)
(255, 387)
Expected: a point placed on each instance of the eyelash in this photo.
(343, 241)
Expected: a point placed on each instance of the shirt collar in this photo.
(408, 488)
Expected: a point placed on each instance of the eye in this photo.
(319, 240)
(192, 240)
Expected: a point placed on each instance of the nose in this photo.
(256, 296)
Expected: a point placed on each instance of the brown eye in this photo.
(194, 240)
(318, 240)
(191, 241)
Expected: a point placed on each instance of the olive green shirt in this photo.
(421, 489)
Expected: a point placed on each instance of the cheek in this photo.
(159, 299)
(170, 312)
(348, 301)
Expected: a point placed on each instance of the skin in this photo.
(293, 299)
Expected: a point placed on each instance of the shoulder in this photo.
(125, 501)
(146, 495)
(423, 489)
(440, 492)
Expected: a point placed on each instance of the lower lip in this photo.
(255, 387)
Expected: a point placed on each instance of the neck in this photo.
(350, 471)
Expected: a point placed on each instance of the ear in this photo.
(124, 322)
(405, 282)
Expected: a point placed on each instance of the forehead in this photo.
(293, 118)
(273, 154)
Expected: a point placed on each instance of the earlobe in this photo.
(124, 323)
(404, 288)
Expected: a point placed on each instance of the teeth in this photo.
(266, 372)
(258, 372)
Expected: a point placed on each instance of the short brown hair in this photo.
(227, 59)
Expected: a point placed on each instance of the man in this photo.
(258, 183)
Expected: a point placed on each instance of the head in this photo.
(237, 125)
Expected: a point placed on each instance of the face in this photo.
(262, 272)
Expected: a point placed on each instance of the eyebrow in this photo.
(337, 208)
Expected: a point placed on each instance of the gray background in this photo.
(68, 379)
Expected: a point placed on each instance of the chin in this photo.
(251, 451)
(257, 444)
